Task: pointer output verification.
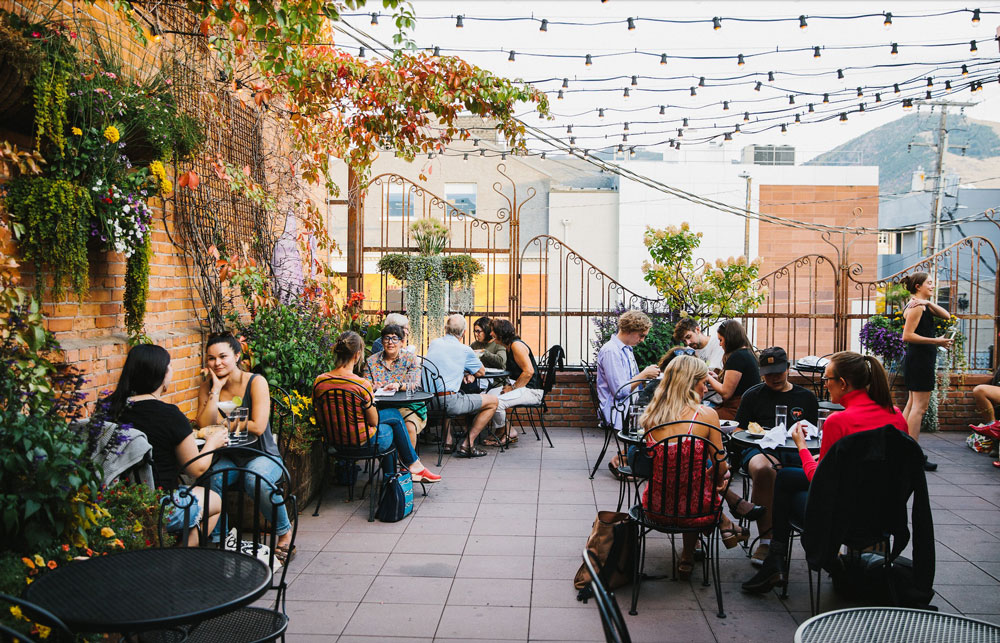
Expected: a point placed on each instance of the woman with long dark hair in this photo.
(739, 368)
(524, 386)
(490, 352)
(137, 400)
(860, 384)
(225, 381)
(920, 360)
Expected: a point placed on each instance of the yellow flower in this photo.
(43, 631)
(39, 560)
(166, 186)
(16, 611)
(156, 169)
(77, 131)
(29, 581)
(137, 527)
(112, 134)
(107, 532)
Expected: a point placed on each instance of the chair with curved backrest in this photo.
(591, 375)
(339, 404)
(282, 417)
(680, 500)
(615, 629)
(243, 490)
(431, 381)
(37, 615)
(551, 363)
(622, 401)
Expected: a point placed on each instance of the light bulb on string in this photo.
(625, 95)
(482, 152)
(572, 140)
(826, 98)
(791, 99)
(624, 138)
(861, 107)
(802, 23)
(739, 60)
(600, 113)
(569, 129)
(716, 23)
(635, 81)
(811, 108)
(816, 53)
(663, 110)
(975, 17)
(465, 157)
(843, 117)
(770, 76)
(543, 156)
(727, 136)
(895, 50)
(928, 95)
(374, 19)
(475, 142)
(626, 126)
(973, 49)
(361, 52)
(694, 92)
(888, 20)
(701, 81)
(798, 119)
(437, 52)
(860, 93)
(895, 88)
(725, 105)
(757, 86)
(878, 97)
(458, 22)
(746, 117)
(930, 81)
(631, 24)
(510, 58)
(737, 130)
(621, 148)
(588, 61)
(907, 103)
(663, 59)
(565, 83)
(840, 74)
(784, 128)
(965, 70)
(684, 122)
(947, 85)
(559, 96)
(631, 151)
(680, 133)
(544, 27)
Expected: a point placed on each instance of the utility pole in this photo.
(942, 146)
(746, 219)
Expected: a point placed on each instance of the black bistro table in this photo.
(492, 374)
(745, 439)
(399, 399)
(150, 589)
(894, 625)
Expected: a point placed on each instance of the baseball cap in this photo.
(773, 360)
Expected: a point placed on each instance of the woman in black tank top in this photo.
(525, 385)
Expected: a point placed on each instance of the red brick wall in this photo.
(569, 402)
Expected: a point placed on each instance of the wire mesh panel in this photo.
(894, 625)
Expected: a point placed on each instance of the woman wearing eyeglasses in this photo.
(490, 352)
(860, 384)
(388, 369)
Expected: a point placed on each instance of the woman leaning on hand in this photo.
(919, 362)
(224, 381)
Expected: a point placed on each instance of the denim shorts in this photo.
(182, 503)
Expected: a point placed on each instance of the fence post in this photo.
(355, 233)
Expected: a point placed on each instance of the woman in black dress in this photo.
(740, 370)
(921, 350)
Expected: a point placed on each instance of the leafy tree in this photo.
(697, 288)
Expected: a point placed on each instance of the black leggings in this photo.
(791, 488)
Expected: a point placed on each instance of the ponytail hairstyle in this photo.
(914, 281)
(866, 373)
(348, 345)
(145, 368)
(733, 335)
(225, 338)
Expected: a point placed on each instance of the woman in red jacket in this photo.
(860, 384)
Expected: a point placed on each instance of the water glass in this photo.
(634, 413)
(412, 382)
(781, 415)
(823, 414)
(238, 421)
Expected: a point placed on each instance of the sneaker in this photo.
(760, 554)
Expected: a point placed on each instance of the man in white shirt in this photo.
(705, 347)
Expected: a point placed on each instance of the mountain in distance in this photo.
(888, 147)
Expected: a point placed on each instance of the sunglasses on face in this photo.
(677, 352)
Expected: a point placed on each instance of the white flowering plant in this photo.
(122, 218)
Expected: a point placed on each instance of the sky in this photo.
(757, 41)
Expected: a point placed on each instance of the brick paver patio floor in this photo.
(491, 552)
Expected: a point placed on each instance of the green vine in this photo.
(394, 264)
(461, 268)
(53, 218)
(137, 290)
(426, 288)
(51, 97)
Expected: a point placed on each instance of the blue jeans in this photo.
(269, 470)
(392, 430)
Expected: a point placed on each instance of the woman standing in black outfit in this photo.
(919, 362)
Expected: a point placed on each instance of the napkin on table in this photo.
(774, 437)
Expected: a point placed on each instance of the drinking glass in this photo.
(634, 413)
(238, 421)
(412, 382)
(823, 414)
(781, 415)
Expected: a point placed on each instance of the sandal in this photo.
(684, 569)
(470, 453)
(282, 553)
(746, 510)
(493, 441)
(448, 448)
(732, 536)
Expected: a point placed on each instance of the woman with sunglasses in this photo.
(388, 370)
(860, 384)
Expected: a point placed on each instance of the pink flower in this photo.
(35, 34)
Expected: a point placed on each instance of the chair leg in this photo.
(713, 553)
(788, 564)
(541, 422)
(375, 487)
(637, 568)
(604, 449)
(323, 481)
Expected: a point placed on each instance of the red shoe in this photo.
(996, 463)
(425, 476)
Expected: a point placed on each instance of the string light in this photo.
(798, 119)
(811, 108)
(895, 88)
(947, 85)
(716, 23)
(975, 17)
(482, 152)
(725, 105)
(826, 98)
(758, 86)
(928, 95)
(565, 83)
(625, 95)
(816, 53)
(621, 148)
(770, 76)
(465, 157)
(907, 103)
(860, 93)
(545, 25)
(694, 92)
(374, 19)
(737, 130)
(663, 110)
(631, 24)
(802, 22)
(635, 81)
(727, 136)
(888, 20)
(684, 122)
(560, 95)
(930, 81)
(511, 57)
(861, 107)
(791, 99)
(784, 129)
(843, 117)
(680, 133)
(663, 59)
(458, 22)
(965, 70)
(543, 156)
(572, 140)
(626, 126)
(895, 50)
(631, 152)
(701, 81)
(746, 117)
(437, 52)
(600, 113)
(361, 52)
(878, 97)
(739, 60)
(840, 74)
(973, 48)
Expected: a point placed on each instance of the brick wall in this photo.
(569, 402)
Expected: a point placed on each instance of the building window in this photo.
(397, 200)
(924, 243)
(462, 196)
(883, 243)
(896, 243)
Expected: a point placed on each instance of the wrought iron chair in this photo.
(591, 375)
(37, 614)
(551, 363)
(688, 462)
(282, 417)
(432, 381)
(615, 629)
(243, 489)
(346, 434)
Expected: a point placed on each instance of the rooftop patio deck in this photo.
(490, 554)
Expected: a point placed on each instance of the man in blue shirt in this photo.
(616, 364)
(457, 363)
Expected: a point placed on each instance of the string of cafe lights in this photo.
(559, 145)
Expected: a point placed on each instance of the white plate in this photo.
(493, 371)
(199, 441)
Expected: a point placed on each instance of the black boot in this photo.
(929, 466)
(772, 572)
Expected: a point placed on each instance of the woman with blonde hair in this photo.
(677, 401)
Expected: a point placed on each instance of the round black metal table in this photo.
(744, 440)
(491, 374)
(150, 589)
(399, 398)
(894, 625)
